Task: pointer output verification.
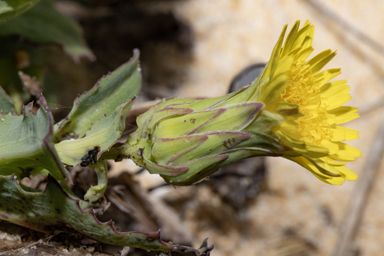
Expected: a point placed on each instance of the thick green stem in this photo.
(94, 193)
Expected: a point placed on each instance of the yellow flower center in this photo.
(303, 91)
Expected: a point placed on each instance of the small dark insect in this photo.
(89, 158)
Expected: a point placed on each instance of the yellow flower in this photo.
(295, 88)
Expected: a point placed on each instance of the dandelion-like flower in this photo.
(311, 107)
(291, 110)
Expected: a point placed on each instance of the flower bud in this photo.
(186, 141)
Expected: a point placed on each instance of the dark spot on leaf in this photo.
(119, 158)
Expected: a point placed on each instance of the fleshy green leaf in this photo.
(102, 135)
(44, 24)
(26, 143)
(110, 92)
(56, 209)
(12, 8)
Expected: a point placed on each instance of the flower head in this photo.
(290, 110)
(311, 106)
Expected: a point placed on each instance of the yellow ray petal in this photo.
(302, 147)
(272, 90)
(341, 133)
(316, 171)
(320, 60)
(347, 174)
(332, 147)
(337, 100)
(324, 76)
(346, 152)
(275, 56)
(304, 37)
(344, 114)
(304, 53)
(290, 39)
